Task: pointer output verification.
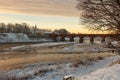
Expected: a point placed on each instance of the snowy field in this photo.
(54, 70)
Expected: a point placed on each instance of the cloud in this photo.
(5, 19)
(38, 7)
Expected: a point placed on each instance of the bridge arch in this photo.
(57, 38)
(76, 38)
(97, 39)
(67, 38)
(108, 39)
(86, 39)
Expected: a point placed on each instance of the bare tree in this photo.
(22, 28)
(2, 28)
(101, 15)
(25, 28)
(10, 27)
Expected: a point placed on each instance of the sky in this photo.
(48, 14)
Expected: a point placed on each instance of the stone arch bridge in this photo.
(81, 37)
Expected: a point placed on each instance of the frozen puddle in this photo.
(56, 71)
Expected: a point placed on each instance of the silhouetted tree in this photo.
(34, 29)
(26, 28)
(100, 14)
(22, 28)
(2, 27)
(10, 27)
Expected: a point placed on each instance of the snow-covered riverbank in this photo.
(56, 71)
(19, 37)
(63, 47)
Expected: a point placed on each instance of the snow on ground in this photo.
(73, 47)
(108, 73)
(11, 37)
(18, 37)
(85, 47)
(56, 71)
(43, 45)
(52, 44)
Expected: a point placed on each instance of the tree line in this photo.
(27, 29)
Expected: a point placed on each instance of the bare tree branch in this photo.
(101, 14)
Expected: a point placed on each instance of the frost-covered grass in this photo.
(115, 62)
(50, 52)
(89, 59)
(108, 73)
(57, 70)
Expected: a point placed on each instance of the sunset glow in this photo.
(48, 14)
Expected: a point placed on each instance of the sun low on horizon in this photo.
(47, 14)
